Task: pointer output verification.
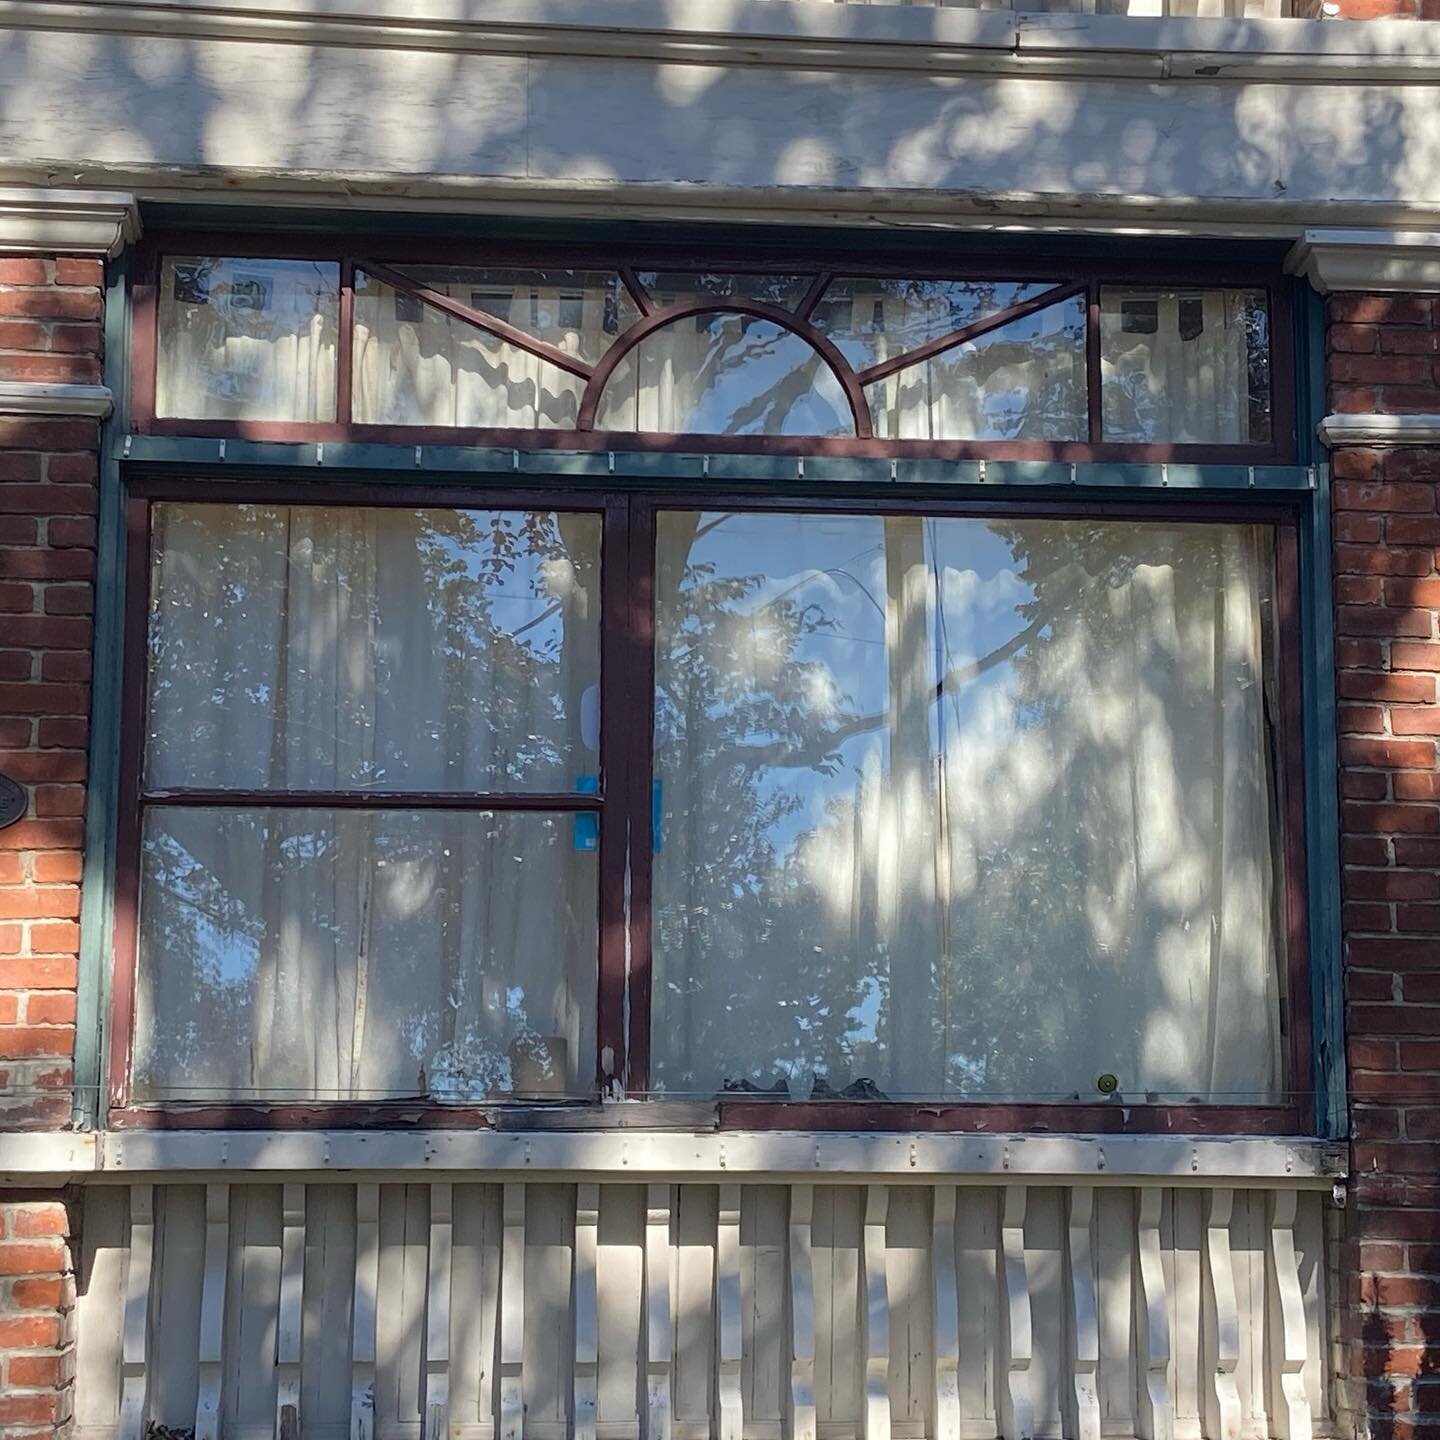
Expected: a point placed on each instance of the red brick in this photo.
(1361, 720)
(47, 500)
(62, 902)
(17, 600)
(1367, 560)
(1386, 885)
(36, 1294)
(1379, 309)
(37, 564)
(1362, 529)
(1390, 952)
(1398, 497)
(80, 600)
(1382, 620)
(1410, 590)
(1412, 530)
(69, 271)
(1360, 654)
(72, 469)
(50, 369)
(43, 835)
(1415, 689)
(1390, 1019)
(65, 666)
(49, 632)
(53, 866)
(48, 434)
(18, 271)
(40, 1257)
(16, 664)
(1423, 786)
(1380, 369)
(18, 530)
(38, 974)
(1359, 590)
(1364, 785)
(1353, 339)
(1355, 916)
(41, 699)
(38, 1408)
(63, 532)
(29, 1332)
(62, 937)
(1386, 753)
(55, 1007)
(1420, 721)
(77, 339)
(52, 304)
(1405, 655)
(1418, 919)
(59, 800)
(1412, 851)
(1420, 1054)
(35, 1371)
(18, 1041)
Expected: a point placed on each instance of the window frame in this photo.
(624, 805)
(1066, 276)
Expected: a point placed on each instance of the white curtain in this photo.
(259, 346)
(415, 365)
(1187, 380)
(362, 953)
(957, 808)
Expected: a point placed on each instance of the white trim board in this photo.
(901, 1157)
(1369, 260)
(24, 397)
(1381, 431)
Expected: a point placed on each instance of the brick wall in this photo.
(1370, 9)
(50, 313)
(1385, 356)
(37, 1306)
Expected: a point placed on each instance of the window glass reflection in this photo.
(416, 365)
(964, 808)
(874, 319)
(247, 339)
(364, 955)
(1024, 381)
(678, 287)
(298, 647)
(725, 375)
(1185, 366)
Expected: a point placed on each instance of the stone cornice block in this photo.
(1376, 431)
(36, 221)
(22, 397)
(1368, 260)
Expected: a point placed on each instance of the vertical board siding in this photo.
(399, 1311)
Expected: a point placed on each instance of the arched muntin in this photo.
(647, 325)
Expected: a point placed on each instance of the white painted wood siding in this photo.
(659, 1311)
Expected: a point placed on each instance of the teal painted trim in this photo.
(412, 464)
(97, 907)
(1322, 751)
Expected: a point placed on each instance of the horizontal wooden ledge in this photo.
(1378, 431)
(773, 32)
(24, 397)
(981, 1159)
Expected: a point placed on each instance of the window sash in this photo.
(627, 640)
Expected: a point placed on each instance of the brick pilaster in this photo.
(50, 332)
(1384, 357)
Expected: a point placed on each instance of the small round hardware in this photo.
(13, 801)
(1107, 1084)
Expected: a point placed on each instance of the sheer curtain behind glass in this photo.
(330, 953)
(964, 808)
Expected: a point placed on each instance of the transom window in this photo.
(1053, 363)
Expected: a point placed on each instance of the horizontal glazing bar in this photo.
(490, 464)
(372, 800)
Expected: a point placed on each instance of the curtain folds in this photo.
(964, 808)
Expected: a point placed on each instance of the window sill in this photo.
(836, 1155)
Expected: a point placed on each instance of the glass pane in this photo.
(336, 955)
(871, 320)
(964, 808)
(577, 311)
(247, 339)
(724, 375)
(1024, 381)
(676, 287)
(416, 365)
(297, 647)
(1185, 366)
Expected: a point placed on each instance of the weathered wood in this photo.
(134, 1344)
(1222, 1320)
(212, 1312)
(587, 1321)
(730, 1395)
(437, 1313)
(946, 1302)
(659, 1333)
(1019, 1380)
(291, 1315)
(367, 1286)
(512, 1314)
(1288, 1308)
(802, 1313)
(1084, 1316)
(1159, 1407)
(875, 1402)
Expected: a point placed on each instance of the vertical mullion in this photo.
(125, 929)
(640, 742)
(345, 342)
(1092, 361)
(615, 690)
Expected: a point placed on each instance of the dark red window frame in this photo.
(624, 801)
(1065, 277)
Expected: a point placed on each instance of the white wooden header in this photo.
(46, 221)
(641, 1155)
